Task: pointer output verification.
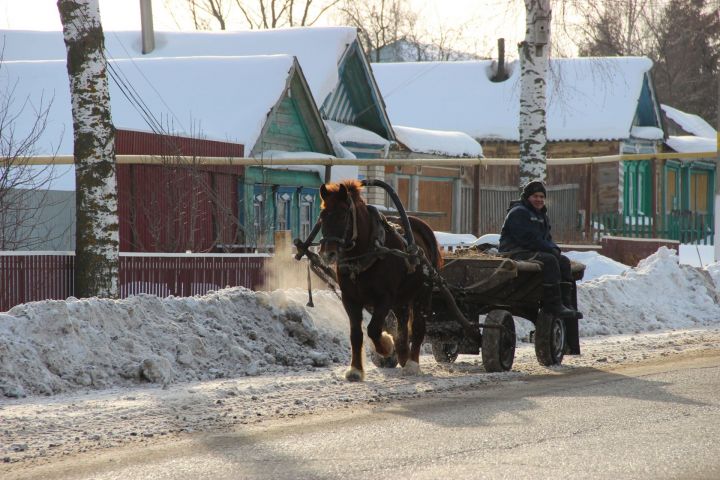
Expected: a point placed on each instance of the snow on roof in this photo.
(220, 98)
(692, 124)
(349, 133)
(691, 144)
(337, 172)
(318, 49)
(588, 98)
(647, 133)
(454, 144)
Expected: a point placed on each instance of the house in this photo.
(688, 185)
(443, 196)
(596, 107)
(252, 104)
(332, 59)
(404, 50)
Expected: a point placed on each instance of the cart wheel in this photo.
(392, 360)
(549, 339)
(498, 344)
(445, 352)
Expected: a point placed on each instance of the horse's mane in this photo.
(354, 187)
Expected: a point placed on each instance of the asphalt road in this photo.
(654, 420)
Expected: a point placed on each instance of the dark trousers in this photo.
(556, 268)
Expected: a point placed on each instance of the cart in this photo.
(476, 284)
(471, 284)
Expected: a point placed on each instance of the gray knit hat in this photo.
(533, 187)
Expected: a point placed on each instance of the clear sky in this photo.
(481, 22)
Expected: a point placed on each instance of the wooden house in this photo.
(443, 196)
(687, 185)
(596, 107)
(254, 104)
(332, 59)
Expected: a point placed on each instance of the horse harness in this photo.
(380, 228)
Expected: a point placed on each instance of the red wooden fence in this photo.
(32, 276)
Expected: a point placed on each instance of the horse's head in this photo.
(338, 218)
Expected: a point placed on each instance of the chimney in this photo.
(146, 22)
(501, 74)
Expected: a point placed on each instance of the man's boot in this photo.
(566, 294)
(552, 302)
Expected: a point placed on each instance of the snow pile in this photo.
(55, 346)
(660, 293)
(596, 265)
(64, 346)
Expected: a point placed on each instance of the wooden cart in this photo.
(472, 284)
(497, 288)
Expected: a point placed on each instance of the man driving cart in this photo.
(525, 235)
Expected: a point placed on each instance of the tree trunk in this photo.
(97, 237)
(533, 73)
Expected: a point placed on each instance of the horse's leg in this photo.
(402, 346)
(355, 372)
(419, 313)
(382, 341)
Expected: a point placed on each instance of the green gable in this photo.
(356, 100)
(647, 112)
(294, 124)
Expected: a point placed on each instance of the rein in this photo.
(357, 264)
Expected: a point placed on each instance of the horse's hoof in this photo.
(411, 368)
(352, 374)
(388, 345)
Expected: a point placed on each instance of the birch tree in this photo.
(534, 53)
(97, 236)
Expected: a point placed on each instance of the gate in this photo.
(562, 202)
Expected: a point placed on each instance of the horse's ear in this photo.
(343, 193)
(323, 191)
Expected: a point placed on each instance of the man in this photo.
(526, 235)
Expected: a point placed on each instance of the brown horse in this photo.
(372, 277)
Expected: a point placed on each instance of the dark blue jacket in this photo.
(526, 229)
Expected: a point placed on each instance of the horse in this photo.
(370, 276)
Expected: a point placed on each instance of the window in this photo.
(282, 211)
(638, 188)
(699, 191)
(672, 188)
(306, 209)
(258, 214)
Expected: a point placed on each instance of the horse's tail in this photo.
(423, 231)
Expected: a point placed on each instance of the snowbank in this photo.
(56, 346)
(660, 293)
(64, 346)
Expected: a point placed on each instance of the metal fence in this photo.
(32, 276)
(683, 226)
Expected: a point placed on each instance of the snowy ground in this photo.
(88, 374)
